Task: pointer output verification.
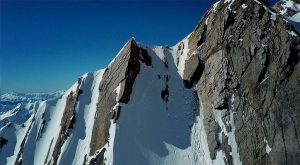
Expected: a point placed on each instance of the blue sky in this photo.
(47, 45)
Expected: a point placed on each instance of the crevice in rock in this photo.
(85, 159)
(263, 72)
(41, 129)
(9, 124)
(72, 123)
(196, 75)
(180, 46)
(283, 140)
(261, 12)
(116, 114)
(223, 106)
(146, 58)
(131, 73)
(292, 61)
(79, 93)
(99, 159)
(229, 20)
(203, 36)
(40, 132)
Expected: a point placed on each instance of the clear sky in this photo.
(47, 45)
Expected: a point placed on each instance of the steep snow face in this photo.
(77, 145)
(181, 55)
(159, 127)
(13, 127)
(16, 114)
(45, 129)
(154, 128)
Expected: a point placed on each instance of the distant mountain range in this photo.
(20, 97)
(12, 99)
(16, 108)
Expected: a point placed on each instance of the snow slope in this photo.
(35, 137)
(153, 131)
(78, 143)
(150, 130)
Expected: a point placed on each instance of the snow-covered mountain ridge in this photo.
(19, 97)
(11, 100)
(226, 94)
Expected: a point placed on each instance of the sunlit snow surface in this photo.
(78, 144)
(16, 114)
(149, 130)
(45, 116)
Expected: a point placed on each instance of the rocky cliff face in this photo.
(120, 74)
(226, 94)
(250, 83)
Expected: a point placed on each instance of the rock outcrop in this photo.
(67, 121)
(121, 73)
(251, 75)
